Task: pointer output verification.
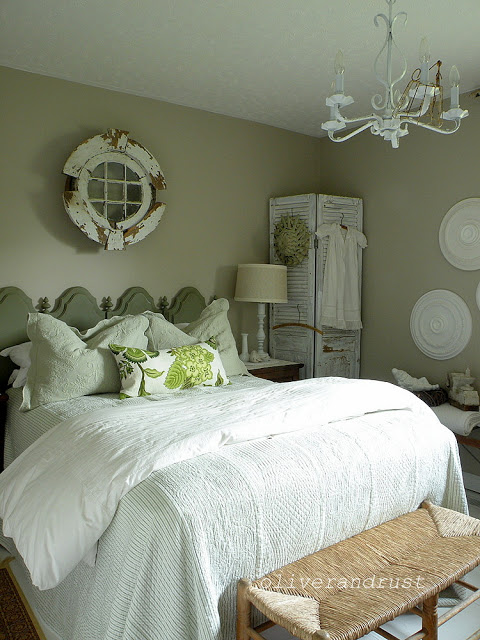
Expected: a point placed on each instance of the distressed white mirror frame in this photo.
(118, 207)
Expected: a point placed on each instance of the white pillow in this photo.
(181, 325)
(13, 377)
(213, 321)
(68, 364)
(19, 354)
(143, 373)
(162, 334)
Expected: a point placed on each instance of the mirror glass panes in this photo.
(130, 175)
(99, 171)
(115, 212)
(96, 189)
(115, 191)
(116, 171)
(134, 192)
(99, 206)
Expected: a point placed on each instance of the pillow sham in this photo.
(213, 321)
(162, 334)
(68, 364)
(181, 325)
(144, 373)
(13, 377)
(19, 354)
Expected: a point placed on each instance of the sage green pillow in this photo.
(144, 373)
(68, 364)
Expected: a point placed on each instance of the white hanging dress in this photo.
(341, 281)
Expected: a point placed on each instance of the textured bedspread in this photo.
(168, 563)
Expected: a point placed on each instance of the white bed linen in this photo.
(59, 496)
(461, 422)
(292, 494)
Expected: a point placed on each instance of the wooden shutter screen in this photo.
(337, 352)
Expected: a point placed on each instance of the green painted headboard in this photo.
(78, 308)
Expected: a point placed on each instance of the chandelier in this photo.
(421, 103)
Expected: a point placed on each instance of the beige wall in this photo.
(220, 172)
(407, 192)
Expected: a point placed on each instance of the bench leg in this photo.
(430, 618)
(244, 610)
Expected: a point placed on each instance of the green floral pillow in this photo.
(143, 373)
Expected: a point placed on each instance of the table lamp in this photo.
(261, 283)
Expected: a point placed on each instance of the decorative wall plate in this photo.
(111, 189)
(441, 324)
(459, 235)
(478, 295)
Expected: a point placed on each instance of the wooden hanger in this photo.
(342, 225)
(297, 324)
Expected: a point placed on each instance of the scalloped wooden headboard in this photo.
(78, 308)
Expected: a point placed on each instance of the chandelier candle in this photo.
(339, 72)
(424, 61)
(454, 78)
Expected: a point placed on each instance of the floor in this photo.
(459, 628)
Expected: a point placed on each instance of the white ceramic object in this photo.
(441, 324)
(244, 356)
(459, 235)
(406, 381)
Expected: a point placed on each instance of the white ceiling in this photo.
(269, 61)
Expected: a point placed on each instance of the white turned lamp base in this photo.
(261, 354)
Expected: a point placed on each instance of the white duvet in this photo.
(59, 496)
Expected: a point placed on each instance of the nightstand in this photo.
(275, 370)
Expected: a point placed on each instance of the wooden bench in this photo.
(353, 587)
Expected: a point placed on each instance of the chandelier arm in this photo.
(389, 83)
(377, 59)
(403, 15)
(371, 117)
(399, 78)
(378, 101)
(432, 128)
(331, 134)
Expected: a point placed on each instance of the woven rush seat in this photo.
(353, 587)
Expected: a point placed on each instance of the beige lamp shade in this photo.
(261, 283)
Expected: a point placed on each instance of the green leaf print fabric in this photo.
(145, 373)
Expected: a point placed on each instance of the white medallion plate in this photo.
(477, 295)
(459, 235)
(441, 324)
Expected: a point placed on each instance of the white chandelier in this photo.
(420, 104)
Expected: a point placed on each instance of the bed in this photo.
(326, 459)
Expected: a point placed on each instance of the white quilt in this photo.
(383, 445)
